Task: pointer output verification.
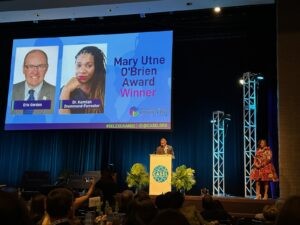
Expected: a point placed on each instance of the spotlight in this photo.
(217, 9)
(259, 77)
(242, 81)
(143, 15)
(227, 117)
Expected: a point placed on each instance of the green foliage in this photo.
(138, 177)
(183, 178)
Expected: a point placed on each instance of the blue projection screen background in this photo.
(138, 83)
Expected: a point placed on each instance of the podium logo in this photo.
(160, 173)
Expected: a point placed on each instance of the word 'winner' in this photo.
(138, 74)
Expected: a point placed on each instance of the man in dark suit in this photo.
(164, 148)
(34, 87)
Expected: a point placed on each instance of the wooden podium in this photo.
(160, 174)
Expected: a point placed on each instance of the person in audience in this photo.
(88, 82)
(59, 206)
(213, 210)
(289, 214)
(35, 67)
(37, 208)
(13, 210)
(263, 170)
(164, 148)
(277, 205)
(170, 217)
(78, 201)
(270, 213)
(124, 198)
(175, 200)
(81, 199)
(161, 202)
(141, 211)
(141, 195)
(108, 186)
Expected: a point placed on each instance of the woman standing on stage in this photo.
(263, 169)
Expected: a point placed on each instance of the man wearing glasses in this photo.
(34, 95)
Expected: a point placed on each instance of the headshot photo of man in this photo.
(34, 87)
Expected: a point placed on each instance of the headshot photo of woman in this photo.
(88, 82)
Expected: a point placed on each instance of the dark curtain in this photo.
(210, 55)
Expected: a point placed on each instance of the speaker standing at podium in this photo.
(164, 148)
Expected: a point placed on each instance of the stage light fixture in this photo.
(217, 9)
(227, 117)
(259, 77)
(242, 81)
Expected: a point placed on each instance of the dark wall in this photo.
(289, 98)
(210, 55)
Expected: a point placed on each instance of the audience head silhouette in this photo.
(13, 211)
(169, 217)
(289, 213)
(59, 203)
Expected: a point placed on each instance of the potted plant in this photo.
(138, 177)
(183, 178)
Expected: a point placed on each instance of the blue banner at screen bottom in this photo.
(51, 126)
(31, 105)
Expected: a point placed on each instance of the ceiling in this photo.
(35, 10)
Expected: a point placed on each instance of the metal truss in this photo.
(218, 153)
(249, 128)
